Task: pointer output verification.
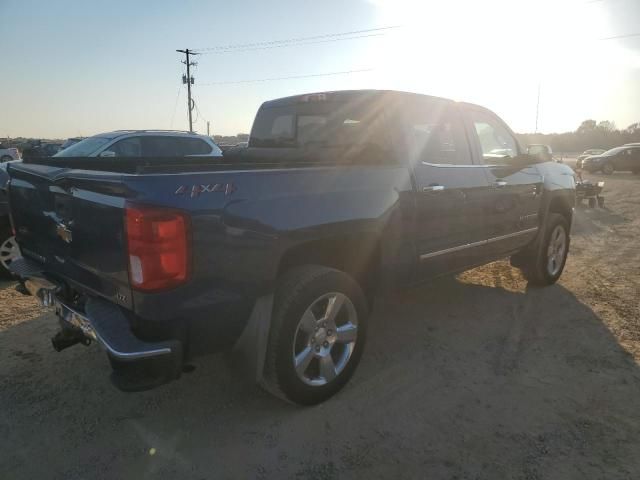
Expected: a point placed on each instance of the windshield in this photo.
(84, 148)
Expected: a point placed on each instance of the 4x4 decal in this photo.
(195, 190)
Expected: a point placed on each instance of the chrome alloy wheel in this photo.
(325, 338)
(9, 251)
(556, 250)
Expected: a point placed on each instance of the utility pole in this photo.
(189, 80)
(208, 135)
(537, 107)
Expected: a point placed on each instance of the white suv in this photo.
(8, 154)
(143, 143)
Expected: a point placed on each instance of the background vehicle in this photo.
(625, 158)
(285, 244)
(588, 153)
(7, 154)
(142, 143)
(70, 141)
(41, 149)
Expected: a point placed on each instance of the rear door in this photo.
(449, 224)
(512, 204)
(627, 159)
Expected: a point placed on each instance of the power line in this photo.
(267, 47)
(235, 82)
(294, 39)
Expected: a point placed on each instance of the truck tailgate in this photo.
(72, 222)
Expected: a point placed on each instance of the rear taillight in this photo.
(158, 241)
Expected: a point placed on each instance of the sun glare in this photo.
(495, 52)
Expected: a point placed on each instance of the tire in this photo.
(6, 158)
(539, 269)
(608, 168)
(326, 362)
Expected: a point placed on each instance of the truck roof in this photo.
(342, 96)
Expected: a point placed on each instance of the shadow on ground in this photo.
(458, 380)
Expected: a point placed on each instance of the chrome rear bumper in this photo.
(101, 321)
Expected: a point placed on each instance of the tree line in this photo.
(590, 134)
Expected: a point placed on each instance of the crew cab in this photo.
(280, 249)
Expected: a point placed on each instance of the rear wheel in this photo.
(9, 252)
(317, 335)
(607, 168)
(546, 266)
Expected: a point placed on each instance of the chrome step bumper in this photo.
(101, 321)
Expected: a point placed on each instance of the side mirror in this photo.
(107, 153)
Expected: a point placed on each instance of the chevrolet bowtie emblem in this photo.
(64, 233)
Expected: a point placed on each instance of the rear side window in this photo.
(173, 146)
(434, 133)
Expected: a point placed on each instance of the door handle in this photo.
(499, 183)
(433, 188)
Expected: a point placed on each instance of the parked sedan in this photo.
(625, 158)
(588, 153)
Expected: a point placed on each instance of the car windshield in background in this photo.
(84, 148)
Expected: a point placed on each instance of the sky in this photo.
(81, 67)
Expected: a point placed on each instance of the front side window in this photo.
(435, 134)
(495, 140)
(127, 147)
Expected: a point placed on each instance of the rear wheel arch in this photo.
(358, 255)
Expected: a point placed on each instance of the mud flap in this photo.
(250, 350)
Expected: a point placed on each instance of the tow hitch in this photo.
(68, 337)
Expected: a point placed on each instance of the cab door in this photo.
(448, 225)
(512, 203)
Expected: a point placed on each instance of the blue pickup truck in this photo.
(283, 246)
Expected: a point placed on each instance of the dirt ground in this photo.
(477, 377)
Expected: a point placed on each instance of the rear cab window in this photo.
(353, 129)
